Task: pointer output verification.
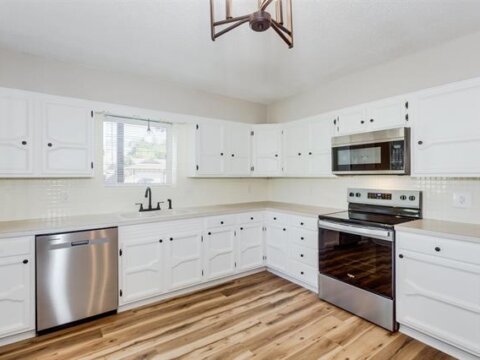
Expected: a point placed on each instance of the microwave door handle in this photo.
(357, 230)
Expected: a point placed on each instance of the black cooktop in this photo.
(367, 218)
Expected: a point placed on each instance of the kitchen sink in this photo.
(159, 213)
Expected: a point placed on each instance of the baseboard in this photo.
(293, 280)
(437, 344)
(17, 337)
(188, 290)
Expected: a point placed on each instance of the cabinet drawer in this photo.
(276, 218)
(414, 242)
(301, 237)
(225, 220)
(251, 217)
(302, 272)
(16, 246)
(304, 222)
(304, 255)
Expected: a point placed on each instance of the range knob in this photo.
(403, 197)
(412, 198)
(358, 194)
(352, 194)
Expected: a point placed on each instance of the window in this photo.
(136, 152)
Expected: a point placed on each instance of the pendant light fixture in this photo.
(148, 138)
(260, 20)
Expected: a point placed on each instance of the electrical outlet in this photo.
(462, 200)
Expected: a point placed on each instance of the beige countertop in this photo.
(31, 227)
(452, 230)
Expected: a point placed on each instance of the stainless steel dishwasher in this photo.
(77, 276)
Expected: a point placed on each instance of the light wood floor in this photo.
(261, 316)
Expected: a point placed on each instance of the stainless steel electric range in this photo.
(357, 252)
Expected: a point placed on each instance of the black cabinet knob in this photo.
(310, 153)
(221, 154)
(301, 223)
(362, 122)
(49, 144)
(400, 256)
(437, 249)
(372, 120)
(420, 142)
(301, 272)
(233, 155)
(276, 155)
(274, 218)
(302, 238)
(25, 261)
(301, 255)
(24, 142)
(171, 239)
(209, 233)
(160, 240)
(299, 154)
(221, 222)
(284, 229)
(241, 228)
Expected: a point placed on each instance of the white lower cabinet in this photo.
(250, 247)
(219, 244)
(438, 289)
(184, 259)
(17, 285)
(141, 262)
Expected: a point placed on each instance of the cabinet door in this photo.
(250, 247)
(16, 135)
(352, 120)
(440, 298)
(210, 149)
(238, 150)
(276, 247)
(296, 136)
(67, 139)
(446, 131)
(219, 252)
(16, 295)
(320, 149)
(388, 113)
(141, 263)
(267, 150)
(184, 260)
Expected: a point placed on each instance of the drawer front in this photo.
(16, 246)
(302, 272)
(277, 218)
(304, 255)
(304, 222)
(216, 221)
(251, 217)
(305, 238)
(414, 242)
(458, 250)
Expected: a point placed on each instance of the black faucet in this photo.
(148, 193)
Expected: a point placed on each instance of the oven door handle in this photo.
(357, 230)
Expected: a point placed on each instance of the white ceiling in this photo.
(170, 39)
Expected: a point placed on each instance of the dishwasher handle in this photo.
(80, 243)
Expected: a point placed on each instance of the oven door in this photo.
(379, 157)
(357, 255)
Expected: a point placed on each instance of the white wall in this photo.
(453, 61)
(42, 198)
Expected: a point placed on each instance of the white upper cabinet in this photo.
(238, 149)
(210, 148)
(378, 115)
(267, 150)
(295, 148)
(67, 138)
(16, 134)
(45, 136)
(446, 131)
(320, 151)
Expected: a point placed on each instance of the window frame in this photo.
(170, 156)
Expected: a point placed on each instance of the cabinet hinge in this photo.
(197, 127)
(202, 272)
(120, 252)
(202, 238)
(91, 114)
(282, 132)
(406, 117)
(197, 167)
(91, 165)
(252, 133)
(121, 293)
(235, 233)
(252, 168)
(406, 104)
(235, 264)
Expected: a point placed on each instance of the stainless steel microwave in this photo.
(376, 152)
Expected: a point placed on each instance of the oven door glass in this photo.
(383, 156)
(358, 260)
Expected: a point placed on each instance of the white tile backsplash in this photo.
(332, 192)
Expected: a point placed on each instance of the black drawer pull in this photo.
(301, 223)
(24, 142)
(209, 233)
(284, 229)
(221, 222)
(299, 154)
(400, 256)
(160, 240)
(49, 144)
(171, 239)
(241, 228)
(274, 218)
(25, 261)
(437, 249)
(302, 238)
(251, 218)
(301, 255)
(301, 272)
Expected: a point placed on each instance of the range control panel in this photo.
(399, 198)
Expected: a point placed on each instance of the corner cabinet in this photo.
(267, 150)
(446, 131)
(45, 136)
(17, 285)
(438, 289)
